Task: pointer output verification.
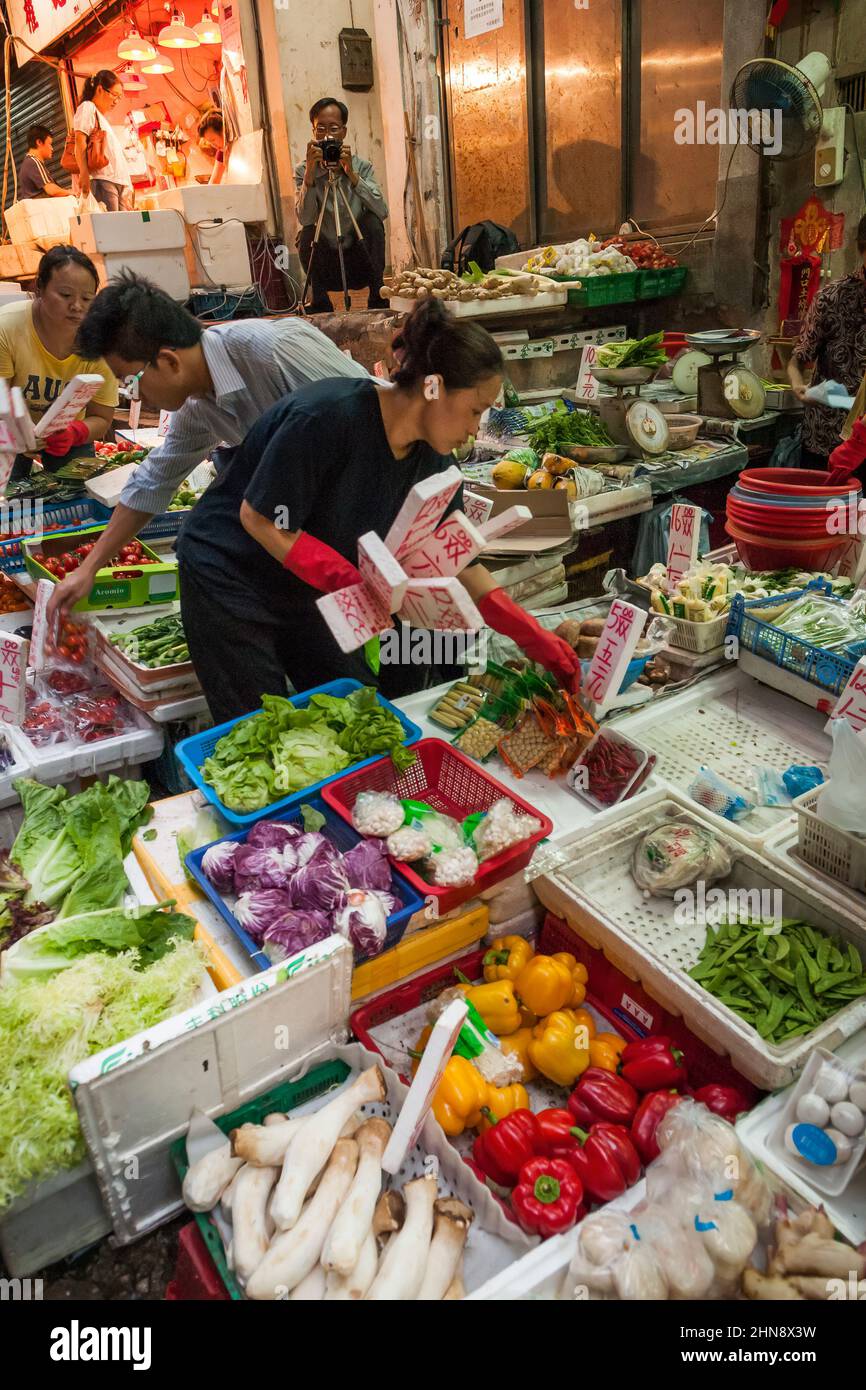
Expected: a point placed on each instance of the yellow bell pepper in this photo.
(555, 1051)
(460, 1096)
(417, 1051)
(613, 1040)
(584, 1019)
(544, 985)
(517, 1045)
(527, 1018)
(507, 957)
(602, 1054)
(497, 1005)
(502, 1100)
(579, 977)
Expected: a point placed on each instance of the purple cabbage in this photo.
(293, 932)
(367, 865)
(309, 847)
(218, 865)
(362, 920)
(257, 911)
(322, 884)
(256, 868)
(273, 834)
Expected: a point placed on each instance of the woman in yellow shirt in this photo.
(37, 353)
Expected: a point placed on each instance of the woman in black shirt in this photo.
(281, 524)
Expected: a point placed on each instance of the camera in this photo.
(330, 151)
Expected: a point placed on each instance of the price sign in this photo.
(135, 414)
(851, 704)
(683, 540)
(620, 635)
(13, 677)
(477, 508)
(587, 386)
(164, 422)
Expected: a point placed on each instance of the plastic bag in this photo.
(840, 802)
(502, 827)
(377, 813)
(715, 794)
(100, 714)
(87, 203)
(45, 721)
(674, 855)
(799, 779)
(769, 788)
(695, 1143)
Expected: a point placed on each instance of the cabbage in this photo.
(362, 921)
(367, 865)
(294, 932)
(260, 868)
(304, 756)
(273, 834)
(321, 884)
(218, 865)
(242, 786)
(308, 847)
(258, 910)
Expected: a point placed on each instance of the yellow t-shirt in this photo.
(26, 362)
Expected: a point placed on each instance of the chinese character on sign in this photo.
(683, 540)
(851, 704)
(616, 645)
(587, 386)
(30, 17)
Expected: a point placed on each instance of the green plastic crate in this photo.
(158, 583)
(606, 289)
(326, 1077)
(656, 284)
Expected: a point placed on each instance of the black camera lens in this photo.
(330, 151)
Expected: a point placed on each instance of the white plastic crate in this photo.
(783, 848)
(837, 853)
(588, 881)
(699, 637)
(21, 767)
(726, 723)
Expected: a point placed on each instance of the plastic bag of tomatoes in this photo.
(100, 714)
(70, 645)
(45, 721)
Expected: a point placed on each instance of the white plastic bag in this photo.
(841, 801)
(87, 203)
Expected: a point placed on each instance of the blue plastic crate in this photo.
(159, 528)
(344, 838)
(827, 671)
(192, 752)
(78, 515)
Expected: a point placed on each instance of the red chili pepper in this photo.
(606, 1162)
(652, 1109)
(548, 1197)
(602, 1097)
(502, 1150)
(652, 1063)
(726, 1101)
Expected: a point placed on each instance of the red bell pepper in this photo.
(726, 1101)
(602, 1097)
(652, 1063)
(606, 1161)
(548, 1197)
(654, 1105)
(503, 1149)
(555, 1134)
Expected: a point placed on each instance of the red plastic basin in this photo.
(780, 526)
(763, 553)
(788, 481)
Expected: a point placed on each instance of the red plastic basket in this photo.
(196, 1277)
(449, 781)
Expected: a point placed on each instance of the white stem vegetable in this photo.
(311, 1147)
(276, 1117)
(455, 1290)
(355, 1284)
(402, 1269)
(452, 1222)
(207, 1180)
(249, 1217)
(264, 1146)
(294, 1253)
(226, 1198)
(312, 1288)
(354, 1220)
(389, 1215)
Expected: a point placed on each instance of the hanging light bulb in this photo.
(158, 65)
(135, 48)
(177, 34)
(208, 30)
(131, 80)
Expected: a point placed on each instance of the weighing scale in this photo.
(630, 421)
(726, 389)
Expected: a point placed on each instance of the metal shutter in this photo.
(36, 99)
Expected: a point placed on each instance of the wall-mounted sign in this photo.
(481, 16)
(40, 22)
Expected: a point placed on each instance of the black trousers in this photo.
(361, 272)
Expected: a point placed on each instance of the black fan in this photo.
(767, 85)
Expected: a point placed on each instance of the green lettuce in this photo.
(148, 931)
(305, 756)
(243, 786)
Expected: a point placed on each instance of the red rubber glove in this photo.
(61, 441)
(319, 565)
(849, 454)
(502, 614)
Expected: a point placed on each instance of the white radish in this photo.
(264, 1146)
(452, 1222)
(249, 1217)
(355, 1284)
(354, 1220)
(293, 1254)
(207, 1179)
(310, 1149)
(311, 1289)
(401, 1272)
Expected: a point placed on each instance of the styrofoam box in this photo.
(207, 202)
(130, 233)
(33, 218)
(588, 881)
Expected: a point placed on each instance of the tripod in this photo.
(335, 191)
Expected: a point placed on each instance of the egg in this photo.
(857, 1093)
(849, 1118)
(831, 1084)
(813, 1110)
(844, 1147)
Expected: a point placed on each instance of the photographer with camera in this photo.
(336, 190)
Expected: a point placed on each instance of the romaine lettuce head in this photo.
(146, 930)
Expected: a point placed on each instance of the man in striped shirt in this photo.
(217, 383)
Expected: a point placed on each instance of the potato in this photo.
(592, 627)
(569, 631)
(586, 647)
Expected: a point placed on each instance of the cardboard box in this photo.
(549, 528)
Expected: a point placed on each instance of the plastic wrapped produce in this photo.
(502, 827)
(674, 855)
(451, 868)
(377, 813)
(695, 1143)
(409, 844)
